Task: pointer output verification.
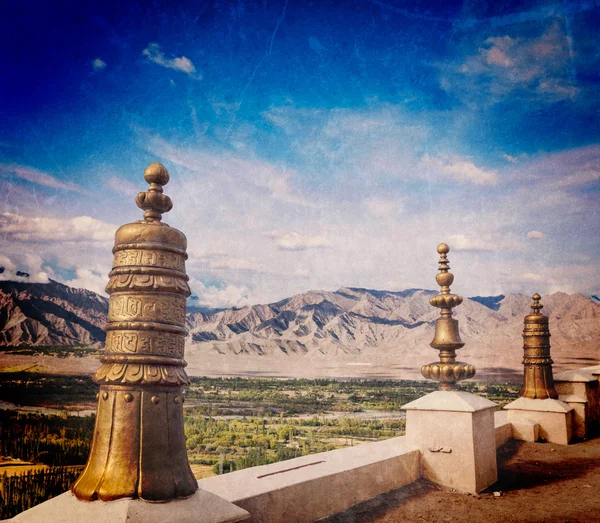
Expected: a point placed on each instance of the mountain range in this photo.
(348, 332)
(50, 314)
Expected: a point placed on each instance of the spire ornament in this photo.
(538, 382)
(447, 337)
(138, 449)
(153, 201)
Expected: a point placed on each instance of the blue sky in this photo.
(310, 144)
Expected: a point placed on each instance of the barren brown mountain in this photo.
(50, 314)
(347, 333)
(367, 333)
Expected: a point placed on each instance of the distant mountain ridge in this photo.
(360, 321)
(50, 314)
(354, 325)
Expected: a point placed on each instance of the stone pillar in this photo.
(538, 403)
(453, 429)
(138, 451)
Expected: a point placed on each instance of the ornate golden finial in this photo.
(536, 306)
(154, 202)
(538, 382)
(138, 450)
(447, 337)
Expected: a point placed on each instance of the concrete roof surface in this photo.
(537, 482)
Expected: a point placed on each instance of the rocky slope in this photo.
(349, 329)
(50, 314)
(387, 329)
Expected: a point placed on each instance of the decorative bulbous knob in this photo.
(153, 201)
(447, 374)
(156, 173)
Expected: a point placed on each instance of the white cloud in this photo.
(484, 242)
(98, 64)
(358, 147)
(28, 271)
(354, 145)
(567, 278)
(358, 188)
(7, 264)
(41, 229)
(33, 175)
(201, 259)
(530, 276)
(243, 173)
(460, 170)
(571, 167)
(536, 235)
(183, 64)
(88, 279)
(50, 247)
(220, 296)
(292, 241)
(537, 67)
(584, 175)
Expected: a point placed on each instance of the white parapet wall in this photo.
(298, 490)
(313, 487)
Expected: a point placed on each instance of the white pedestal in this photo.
(202, 507)
(554, 417)
(525, 430)
(579, 389)
(455, 432)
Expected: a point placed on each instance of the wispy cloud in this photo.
(374, 193)
(98, 64)
(41, 229)
(217, 296)
(30, 271)
(460, 170)
(536, 235)
(244, 171)
(572, 170)
(537, 67)
(378, 142)
(292, 241)
(30, 174)
(39, 245)
(88, 279)
(204, 260)
(122, 186)
(155, 55)
(484, 242)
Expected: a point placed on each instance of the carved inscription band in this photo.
(140, 342)
(162, 309)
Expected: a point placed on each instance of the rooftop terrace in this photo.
(538, 482)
